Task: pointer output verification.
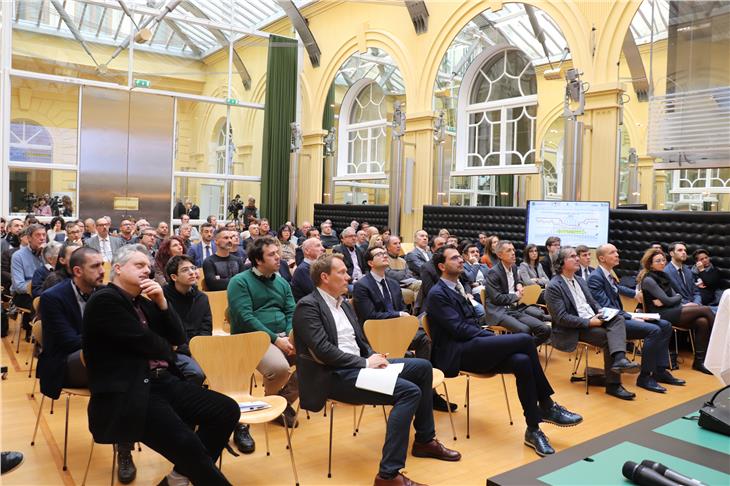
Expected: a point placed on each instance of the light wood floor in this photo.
(494, 447)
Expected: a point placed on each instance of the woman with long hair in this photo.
(660, 298)
(170, 247)
(68, 206)
(56, 231)
(530, 271)
(288, 248)
(375, 240)
(489, 258)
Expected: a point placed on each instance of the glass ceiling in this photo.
(194, 28)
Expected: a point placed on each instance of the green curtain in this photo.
(505, 186)
(328, 116)
(280, 111)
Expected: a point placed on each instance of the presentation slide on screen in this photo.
(574, 222)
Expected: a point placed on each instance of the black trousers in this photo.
(175, 407)
(516, 354)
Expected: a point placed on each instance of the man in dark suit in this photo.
(460, 343)
(137, 393)
(584, 258)
(708, 278)
(205, 247)
(552, 247)
(331, 351)
(429, 275)
(504, 292)
(103, 242)
(353, 256)
(576, 317)
(420, 254)
(301, 282)
(681, 275)
(607, 291)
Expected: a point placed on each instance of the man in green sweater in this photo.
(259, 299)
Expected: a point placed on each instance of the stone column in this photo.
(419, 146)
(311, 171)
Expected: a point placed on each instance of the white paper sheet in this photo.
(645, 316)
(380, 380)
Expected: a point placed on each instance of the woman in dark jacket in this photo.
(660, 298)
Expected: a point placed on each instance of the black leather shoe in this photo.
(664, 376)
(619, 391)
(538, 441)
(441, 405)
(11, 460)
(242, 438)
(700, 366)
(560, 416)
(126, 471)
(290, 416)
(649, 383)
(623, 365)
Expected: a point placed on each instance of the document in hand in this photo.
(607, 313)
(380, 380)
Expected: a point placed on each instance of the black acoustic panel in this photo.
(342, 215)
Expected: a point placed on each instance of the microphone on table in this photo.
(670, 474)
(645, 476)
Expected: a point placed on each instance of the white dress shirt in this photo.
(584, 308)
(345, 332)
(356, 270)
(510, 280)
(106, 248)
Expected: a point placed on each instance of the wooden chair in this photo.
(469, 375)
(107, 271)
(19, 320)
(33, 342)
(630, 304)
(530, 295)
(228, 362)
(392, 337)
(218, 304)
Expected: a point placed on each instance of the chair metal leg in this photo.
(88, 463)
(467, 408)
(676, 344)
(296, 418)
(329, 459)
(139, 446)
(291, 453)
(37, 420)
(250, 385)
(266, 434)
(585, 373)
(385, 416)
(506, 399)
(362, 410)
(307, 411)
(354, 420)
(692, 341)
(114, 463)
(65, 434)
(32, 392)
(53, 402)
(451, 417)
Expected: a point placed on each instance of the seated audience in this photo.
(56, 231)
(50, 258)
(185, 219)
(301, 232)
(364, 240)
(286, 245)
(460, 343)
(661, 297)
(147, 238)
(327, 235)
(238, 249)
(213, 221)
(62, 270)
(552, 246)
(89, 228)
(708, 278)
(397, 267)
(103, 241)
(185, 232)
(504, 291)
(429, 275)
(163, 231)
(205, 247)
(376, 240)
(680, 275)
(481, 242)
(353, 258)
(73, 232)
(330, 357)
(126, 232)
(530, 271)
(584, 259)
(301, 282)
(192, 307)
(575, 317)
(23, 264)
(420, 254)
(310, 233)
(169, 247)
(475, 273)
(137, 392)
(259, 299)
(221, 267)
(489, 257)
(607, 291)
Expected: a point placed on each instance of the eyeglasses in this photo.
(376, 254)
(190, 269)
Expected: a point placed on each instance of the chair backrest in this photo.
(107, 266)
(201, 282)
(229, 361)
(426, 326)
(36, 304)
(218, 304)
(629, 303)
(530, 294)
(391, 336)
(38, 331)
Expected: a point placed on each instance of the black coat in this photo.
(348, 259)
(193, 309)
(117, 349)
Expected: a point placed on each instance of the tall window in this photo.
(30, 142)
(220, 152)
(699, 189)
(496, 117)
(363, 132)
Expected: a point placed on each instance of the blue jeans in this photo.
(412, 399)
(190, 369)
(656, 337)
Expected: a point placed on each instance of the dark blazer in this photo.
(117, 350)
(606, 295)
(114, 241)
(318, 356)
(348, 259)
(656, 285)
(301, 281)
(591, 270)
(498, 296)
(429, 277)
(369, 301)
(453, 321)
(197, 251)
(285, 271)
(61, 336)
(564, 311)
(39, 276)
(547, 265)
(712, 279)
(689, 292)
(415, 260)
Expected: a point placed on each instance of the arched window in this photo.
(30, 142)
(698, 189)
(223, 165)
(496, 115)
(363, 127)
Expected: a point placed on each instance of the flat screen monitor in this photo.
(574, 222)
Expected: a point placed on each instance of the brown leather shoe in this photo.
(399, 480)
(435, 450)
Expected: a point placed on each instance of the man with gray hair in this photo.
(504, 292)
(354, 260)
(23, 265)
(50, 257)
(420, 255)
(103, 242)
(137, 392)
(301, 282)
(328, 236)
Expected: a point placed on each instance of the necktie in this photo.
(460, 289)
(386, 296)
(681, 275)
(585, 274)
(207, 251)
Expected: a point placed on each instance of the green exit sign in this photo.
(142, 83)
(231, 101)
